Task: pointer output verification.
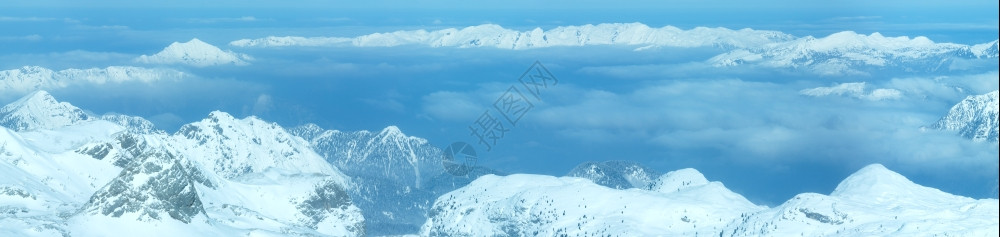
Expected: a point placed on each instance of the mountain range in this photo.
(872, 201)
(839, 53)
(67, 172)
(31, 78)
(492, 35)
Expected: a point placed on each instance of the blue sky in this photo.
(746, 126)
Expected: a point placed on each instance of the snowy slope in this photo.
(528, 205)
(874, 201)
(32, 78)
(40, 185)
(495, 36)
(616, 174)
(195, 53)
(975, 117)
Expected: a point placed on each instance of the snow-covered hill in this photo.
(873, 201)
(195, 53)
(537, 205)
(31, 78)
(617, 174)
(219, 176)
(975, 117)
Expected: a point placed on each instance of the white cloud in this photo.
(856, 90)
(744, 121)
(262, 105)
(195, 53)
(452, 106)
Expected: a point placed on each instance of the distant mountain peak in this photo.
(307, 131)
(618, 174)
(195, 53)
(391, 129)
(985, 50)
(877, 183)
(868, 178)
(679, 179)
(40, 110)
(217, 116)
(235, 147)
(976, 117)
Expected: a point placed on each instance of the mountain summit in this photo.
(877, 183)
(39, 110)
(195, 53)
(234, 147)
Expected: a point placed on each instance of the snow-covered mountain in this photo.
(975, 118)
(218, 176)
(495, 36)
(39, 110)
(537, 205)
(31, 78)
(66, 172)
(984, 50)
(235, 147)
(195, 53)
(617, 174)
(397, 176)
(840, 53)
(873, 201)
(847, 52)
